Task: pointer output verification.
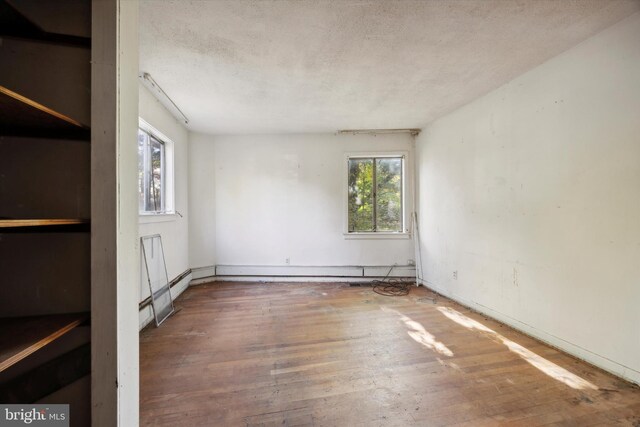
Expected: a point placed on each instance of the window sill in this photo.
(376, 236)
(149, 218)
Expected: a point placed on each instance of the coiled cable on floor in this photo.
(392, 287)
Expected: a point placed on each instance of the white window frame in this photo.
(169, 174)
(406, 200)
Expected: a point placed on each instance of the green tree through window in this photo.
(375, 194)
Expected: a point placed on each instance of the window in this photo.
(153, 172)
(375, 194)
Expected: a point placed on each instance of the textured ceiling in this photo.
(319, 66)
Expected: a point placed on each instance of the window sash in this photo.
(152, 184)
(375, 193)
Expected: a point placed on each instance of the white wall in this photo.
(532, 194)
(261, 199)
(174, 229)
(202, 202)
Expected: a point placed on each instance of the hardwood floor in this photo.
(327, 354)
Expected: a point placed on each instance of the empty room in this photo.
(320, 213)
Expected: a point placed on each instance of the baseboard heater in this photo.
(145, 302)
(313, 271)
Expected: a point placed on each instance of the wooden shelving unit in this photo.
(21, 116)
(22, 336)
(44, 249)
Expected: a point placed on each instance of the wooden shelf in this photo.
(14, 24)
(22, 336)
(14, 223)
(47, 378)
(44, 225)
(21, 116)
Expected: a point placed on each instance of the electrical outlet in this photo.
(287, 261)
(411, 262)
(455, 275)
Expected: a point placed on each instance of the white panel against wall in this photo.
(532, 195)
(114, 262)
(128, 268)
(281, 197)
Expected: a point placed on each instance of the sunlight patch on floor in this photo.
(547, 367)
(419, 334)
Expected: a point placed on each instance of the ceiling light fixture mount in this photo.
(412, 131)
(162, 96)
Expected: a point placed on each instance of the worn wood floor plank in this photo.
(327, 354)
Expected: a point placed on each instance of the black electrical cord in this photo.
(391, 287)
